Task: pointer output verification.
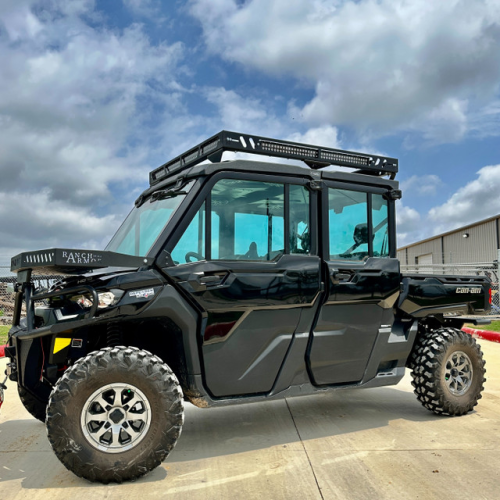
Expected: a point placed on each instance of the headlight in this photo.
(109, 298)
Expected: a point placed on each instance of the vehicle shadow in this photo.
(209, 433)
(238, 429)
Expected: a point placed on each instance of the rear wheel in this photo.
(115, 414)
(34, 406)
(448, 372)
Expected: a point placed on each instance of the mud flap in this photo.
(2, 396)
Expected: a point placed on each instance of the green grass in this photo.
(3, 334)
(494, 327)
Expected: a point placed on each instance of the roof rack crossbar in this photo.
(315, 156)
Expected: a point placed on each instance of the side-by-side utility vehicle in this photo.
(234, 282)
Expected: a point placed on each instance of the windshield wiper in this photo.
(163, 194)
(166, 193)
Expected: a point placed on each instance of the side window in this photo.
(380, 223)
(348, 224)
(247, 220)
(215, 235)
(300, 229)
(191, 246)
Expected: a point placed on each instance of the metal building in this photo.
(471, 244)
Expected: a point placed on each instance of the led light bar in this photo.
(314, 156)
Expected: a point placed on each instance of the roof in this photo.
(208, 169)
(447, 233)
(316, 157)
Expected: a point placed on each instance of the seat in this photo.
(252, 252)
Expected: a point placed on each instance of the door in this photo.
(247, 259)
(362, 285)
(424, 263)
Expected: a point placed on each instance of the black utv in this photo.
(234, 282)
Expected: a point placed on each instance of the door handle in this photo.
(342, 276)
(210, 280)
(199, 281)
(339, 277)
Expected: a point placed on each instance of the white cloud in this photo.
(408, 224)
(485, 122)
(423, 185)
(32, 221)
(18, 20)
(72, 94)
(327, 136)
(477, 200)
(380, 65)
(243, 113)
(150, 9)
(448, 122)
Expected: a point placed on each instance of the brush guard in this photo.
(25, 289)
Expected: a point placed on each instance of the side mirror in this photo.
(360, 234)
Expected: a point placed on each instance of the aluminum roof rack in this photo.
(315, 157)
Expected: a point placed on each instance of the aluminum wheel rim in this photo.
(116, 418)
(458, 373)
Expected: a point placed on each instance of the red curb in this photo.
(2, 350)
(483, 334)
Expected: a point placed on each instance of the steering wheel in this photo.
(197, 256)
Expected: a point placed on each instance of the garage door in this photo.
(425, 263)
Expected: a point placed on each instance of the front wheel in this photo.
(115, 414)
(448, 372)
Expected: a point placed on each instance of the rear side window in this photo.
(348, 224)
(354, 219)
(300, 228)
(380, 221)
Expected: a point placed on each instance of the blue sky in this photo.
(94, 95)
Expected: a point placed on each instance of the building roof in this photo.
(459, 229)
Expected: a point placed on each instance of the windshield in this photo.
(144, 225)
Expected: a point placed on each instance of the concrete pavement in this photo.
(356, 444)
